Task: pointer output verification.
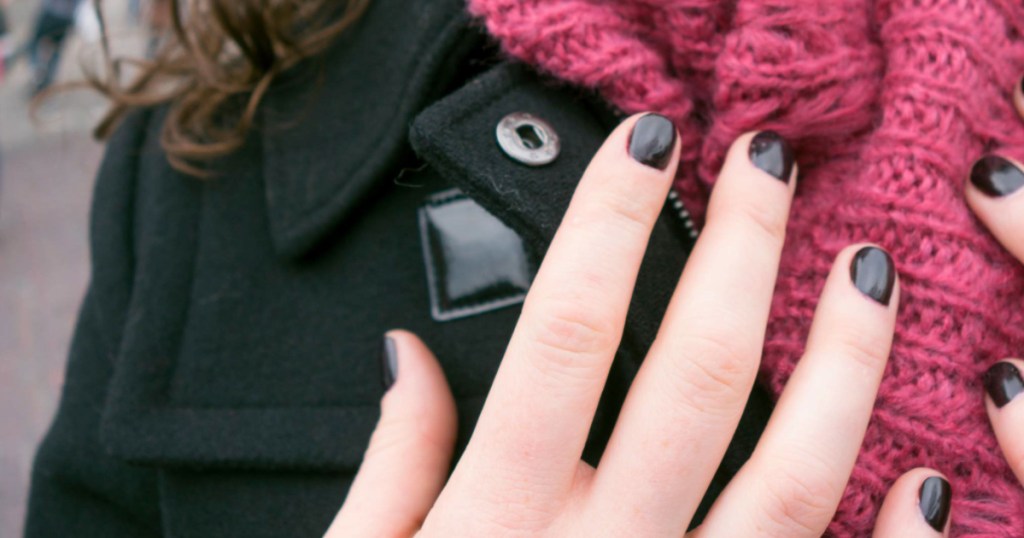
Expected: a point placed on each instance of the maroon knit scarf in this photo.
(887, 103)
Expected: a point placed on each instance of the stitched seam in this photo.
(453, 166)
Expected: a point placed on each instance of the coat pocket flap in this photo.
(232, 356)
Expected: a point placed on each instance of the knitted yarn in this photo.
(887, 103)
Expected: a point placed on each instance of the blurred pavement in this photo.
(46, 176)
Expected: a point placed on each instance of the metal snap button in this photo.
(528, 139)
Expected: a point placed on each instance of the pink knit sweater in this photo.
(887, 103)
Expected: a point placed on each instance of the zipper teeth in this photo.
(683, 213)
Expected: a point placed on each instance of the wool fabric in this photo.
(887, 103)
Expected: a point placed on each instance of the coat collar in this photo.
(331, 127)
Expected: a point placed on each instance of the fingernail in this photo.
(873, 273)
(652, 141)
(771, 153)
(1003, 383)
(389, 362)
(935, 496)
(996, 176)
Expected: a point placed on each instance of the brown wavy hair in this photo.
(214, 68)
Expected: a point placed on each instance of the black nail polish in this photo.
(771, 153)
(935, 496)
(1003, 383)
(389, 362)
(996, 176)
(652, 141)
(873, 273)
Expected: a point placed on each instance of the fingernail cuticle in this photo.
(1003, 383)
(873, 273)
(996, 176)
(934, 502)
(389, 362)
(653, 140)
(771, 153)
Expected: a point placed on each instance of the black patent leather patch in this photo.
(475, 263)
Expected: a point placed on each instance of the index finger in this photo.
(538, 413)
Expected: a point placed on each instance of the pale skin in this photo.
(521, 474)
(1004, 217)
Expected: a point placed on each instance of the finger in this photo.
(687, 399)
(917, 506)
(538, 412)
(409, 455)
(795, 478)
(994, 193)
(1005, 405)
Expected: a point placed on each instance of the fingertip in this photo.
(918, 504)
(855, 317)
(994, 193)
(769, 152)
(419, 392)
(410, 373)
(872, 272)
(757, 182)
(1004, 388)
(763, 152)
(993, 178)
(652, 141)
(934, 500)
(407, 461)
(639, 158)
(1003, 382)
(409, 343)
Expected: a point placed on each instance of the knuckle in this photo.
(863, 350)
(716, 374)
(567, 339)
(631, 210)
(519, 519)
(406, 434)
(390, 436)
(767, 222)
(800, 498)
(629, 217)
(513, 509)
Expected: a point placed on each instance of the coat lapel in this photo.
(324, 151)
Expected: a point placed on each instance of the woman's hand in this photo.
(995, 192)
(521, 473)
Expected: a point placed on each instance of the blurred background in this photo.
(47, 167)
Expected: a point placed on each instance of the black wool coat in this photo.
(224, 377)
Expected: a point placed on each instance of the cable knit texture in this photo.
(887, 103)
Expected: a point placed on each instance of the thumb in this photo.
(407, 462)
